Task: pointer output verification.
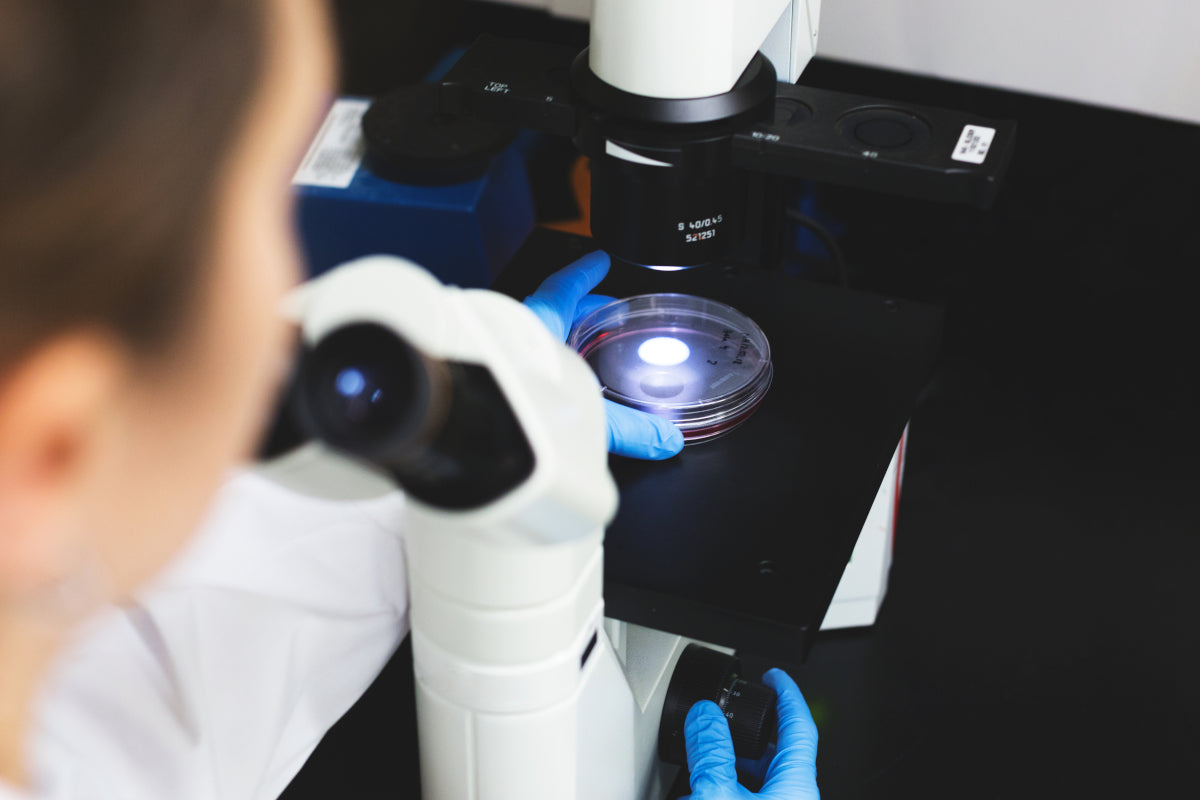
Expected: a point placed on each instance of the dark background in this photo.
(1039, 637)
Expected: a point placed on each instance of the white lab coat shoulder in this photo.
(224, 676)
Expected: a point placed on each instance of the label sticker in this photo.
(336, 153)
(974, 144)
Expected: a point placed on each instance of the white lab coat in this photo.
(219, 683)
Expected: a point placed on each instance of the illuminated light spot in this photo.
(350, 382)
(664, 351)
(662, 385)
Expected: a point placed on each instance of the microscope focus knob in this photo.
(706, 674)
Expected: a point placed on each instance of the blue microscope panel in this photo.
(463, 233)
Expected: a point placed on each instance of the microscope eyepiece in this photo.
(366, 391)
(444, 430)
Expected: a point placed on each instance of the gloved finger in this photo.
(556, 299)
(796, 749)
(709, 750)
(588, 304)
(637, 434)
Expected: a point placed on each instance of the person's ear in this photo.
(57, 407)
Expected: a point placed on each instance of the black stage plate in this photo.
(741, 541)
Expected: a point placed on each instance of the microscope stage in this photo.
(741, 541)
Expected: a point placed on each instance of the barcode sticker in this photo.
(336, 153)
(974, 144)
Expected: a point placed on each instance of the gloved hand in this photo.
(560, 302)
(791, 771)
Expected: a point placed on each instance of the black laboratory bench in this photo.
(1039, 637)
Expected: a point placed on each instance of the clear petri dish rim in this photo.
(700, 418)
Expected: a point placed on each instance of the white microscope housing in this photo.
(524, 690)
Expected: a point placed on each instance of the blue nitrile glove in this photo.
(560, 302)
(791, 771)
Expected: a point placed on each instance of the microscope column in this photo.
(500, 630)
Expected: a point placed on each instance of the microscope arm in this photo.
(678, 49)
(793, 41)
(790, 44)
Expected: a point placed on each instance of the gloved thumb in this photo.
(637, 434)
(588, 304)
(556, 300)
(710, 755)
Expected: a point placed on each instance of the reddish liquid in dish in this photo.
(716, 389)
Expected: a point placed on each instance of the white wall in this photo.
(1142, 55)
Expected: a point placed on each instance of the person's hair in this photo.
(115, 119)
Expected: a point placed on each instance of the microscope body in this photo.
(522, 692)
(679, 49)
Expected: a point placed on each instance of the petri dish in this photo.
(701, 364)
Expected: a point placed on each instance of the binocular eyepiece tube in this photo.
(442, 429)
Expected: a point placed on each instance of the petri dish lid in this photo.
(701, 364)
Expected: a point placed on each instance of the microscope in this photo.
(496, 432)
